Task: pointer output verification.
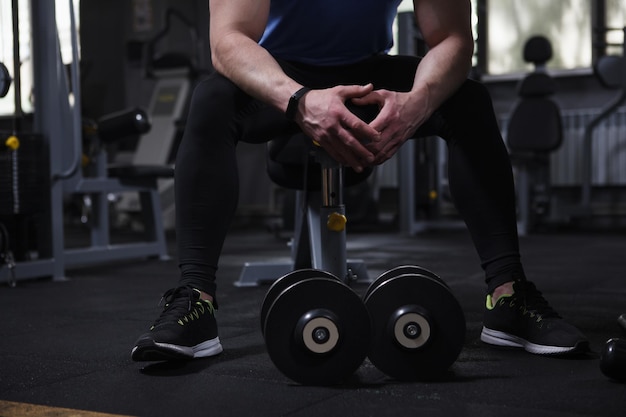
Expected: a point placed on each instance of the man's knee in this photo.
(470, 108)
(213, 101)
(213, 90)
(475, 96)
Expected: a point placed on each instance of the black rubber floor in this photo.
(67, 344)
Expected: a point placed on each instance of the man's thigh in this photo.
(384, 71)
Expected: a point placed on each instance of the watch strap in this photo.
(294, 100)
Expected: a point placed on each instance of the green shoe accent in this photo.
(489, 302)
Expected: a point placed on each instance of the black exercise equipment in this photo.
(120, 125)
(613, 359)
(318, 331)
(418, 326)
(534, 132)
(5, 80)
(613, 355)
(316, 328)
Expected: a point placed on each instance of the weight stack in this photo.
(21, 175)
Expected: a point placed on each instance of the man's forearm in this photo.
(253, 69)
(446, 28)
(442, 71)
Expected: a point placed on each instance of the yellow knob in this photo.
(336, 222)
(433, 195)
(12, 143)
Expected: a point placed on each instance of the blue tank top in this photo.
(329, 32)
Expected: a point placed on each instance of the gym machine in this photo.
(175, 74)
(534, 131)
(531, 149)
(56, 146)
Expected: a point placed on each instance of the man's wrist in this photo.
(294, 101)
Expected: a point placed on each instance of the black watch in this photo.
(292, 107)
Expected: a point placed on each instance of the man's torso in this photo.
(329, 32)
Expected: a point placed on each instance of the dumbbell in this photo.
(316, 328)
(613, 359)
(418, 326)
(318, 331)
(613, 356)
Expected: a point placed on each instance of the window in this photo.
(7, 104)
(567, 23)
(615, 20)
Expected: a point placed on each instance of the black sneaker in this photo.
(525, 320)
(185, 329)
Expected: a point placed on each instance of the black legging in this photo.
(207, 183)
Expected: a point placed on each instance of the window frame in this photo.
(598, 35)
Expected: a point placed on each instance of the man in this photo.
(300, 63)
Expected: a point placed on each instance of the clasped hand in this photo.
(351, 141)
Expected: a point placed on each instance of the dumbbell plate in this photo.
(296, 316)
(418, 326)
(401, 270)
(285, 282)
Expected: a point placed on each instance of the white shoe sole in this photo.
(497, 338)
(208, 348)
(167, 351)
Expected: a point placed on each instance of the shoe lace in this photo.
(178, 303)
(534, 303)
